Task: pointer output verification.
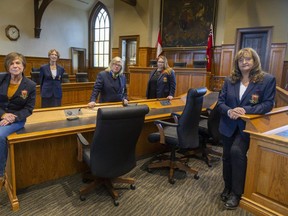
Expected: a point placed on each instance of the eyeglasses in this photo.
(161, 62)
(247, 59)
(115, 64)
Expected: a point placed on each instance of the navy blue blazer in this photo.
(22, 102)
(257, 99)
(104, 86)
(50, 87)
(166, 84)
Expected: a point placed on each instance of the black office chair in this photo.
(179, 64)
(182, 134)
(209, 136)
(112, 151)
(82, 77)
(199, 63)
(35, 76)
(65, 78)
(153, 63)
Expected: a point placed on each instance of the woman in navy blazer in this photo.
(162, 82)
(248, 90)
(110, 84)
(17, 101)
(50, 81)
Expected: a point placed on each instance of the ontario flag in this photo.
(209, 49)
(159, 45)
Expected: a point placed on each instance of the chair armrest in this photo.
(160, 124)
(81, 141)
(176, 117)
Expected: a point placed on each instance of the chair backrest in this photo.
(199, 63)
(112, 152)
(187, 131)
(35, 76)
(82, 77)
(179, 64)
(65, 78)
(153, 63)
(213, 125)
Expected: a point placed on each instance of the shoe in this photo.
(232, 202)
(225, 194)
(2, 182)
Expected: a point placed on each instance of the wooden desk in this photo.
(46, 148)
(266, 185)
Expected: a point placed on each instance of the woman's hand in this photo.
(91, 104)
(236, 112)
(170, 97)
(9, 117)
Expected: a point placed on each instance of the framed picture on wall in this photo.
(186, 23)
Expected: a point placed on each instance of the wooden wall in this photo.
(221, 65)
(36, 62)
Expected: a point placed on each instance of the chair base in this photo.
(108, 183)
(173, 165)
(208, 154)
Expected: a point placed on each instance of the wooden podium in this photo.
(266, 185)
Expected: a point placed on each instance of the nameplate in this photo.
(165, 102)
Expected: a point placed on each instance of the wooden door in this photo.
(258, 39)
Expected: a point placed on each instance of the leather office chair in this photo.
(210, 135)
(182, 134)
(65, 78)
(153, 63)
(112, 151)
(82, 77)
(35, 76)
(179, 64)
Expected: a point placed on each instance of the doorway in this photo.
(78, 56)
(129, 46)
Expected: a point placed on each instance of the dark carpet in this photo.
(154, 195)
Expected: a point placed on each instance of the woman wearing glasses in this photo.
(110, 84)
(162, 82)
(248, 90)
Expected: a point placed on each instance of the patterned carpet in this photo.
(153, 196)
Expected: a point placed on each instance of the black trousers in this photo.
(235, 161)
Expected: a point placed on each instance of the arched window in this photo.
(100, 28)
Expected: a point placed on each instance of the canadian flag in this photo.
(159, 45)
(209, 49)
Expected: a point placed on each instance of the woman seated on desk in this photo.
(110, 84)
(17, 100)
(162, 82)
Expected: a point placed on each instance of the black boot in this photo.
(225, 194)
(232, 202)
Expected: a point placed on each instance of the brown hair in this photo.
(11, 57)
(256, 74)
(53, 50)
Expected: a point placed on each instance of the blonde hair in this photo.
(115, 60)
(53, 50)
(167, 68)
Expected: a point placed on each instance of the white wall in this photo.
(62, 27)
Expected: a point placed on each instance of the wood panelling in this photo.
(285, 76)
(185, 78)
(281, 98)
(227, 56)
(276, 62)
(37, 62)
(73, 94)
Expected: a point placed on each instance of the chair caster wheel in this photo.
(82, 198)
(172, 181)
(116, 203)
(132, 187)
(85, 180)
(149, 170)
(196, 176)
